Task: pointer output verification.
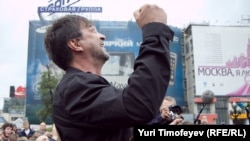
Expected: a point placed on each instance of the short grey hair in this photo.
(171, 99)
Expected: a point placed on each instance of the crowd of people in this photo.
(10, 132)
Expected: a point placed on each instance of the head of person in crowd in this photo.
(166, 109)
(167, 102)
(42, 138)
(204, 120)
(26, 125)
(7, 130)
(42, 128)
(170, 111)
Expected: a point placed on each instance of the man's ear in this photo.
(75, 45)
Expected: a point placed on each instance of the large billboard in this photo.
(222, 59)
(123, 39)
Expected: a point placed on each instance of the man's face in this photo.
(8, 131)
(42, 126)
(93, 41)
(166, 104)
(165, 112)
(26, 125)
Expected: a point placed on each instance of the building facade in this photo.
(217, 58)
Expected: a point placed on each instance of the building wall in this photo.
(189, 75)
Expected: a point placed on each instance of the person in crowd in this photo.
(42, 128)
(13, 137)
(26, 131)
(85, 105)
(42, 138)
(7, 131)
(15, 129)
(204, 120)
(166, 115)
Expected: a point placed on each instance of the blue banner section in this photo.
(123, 39)
(176, 88)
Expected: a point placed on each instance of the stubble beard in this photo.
(101, 54)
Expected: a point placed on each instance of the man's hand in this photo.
(149, 13)
(165, 114)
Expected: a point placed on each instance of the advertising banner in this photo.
(221, 55)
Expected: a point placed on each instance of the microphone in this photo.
(207, 98)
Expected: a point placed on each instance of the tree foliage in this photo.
(46, 88)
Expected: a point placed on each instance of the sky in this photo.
(15, 17)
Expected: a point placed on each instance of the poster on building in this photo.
(221, 59)
(123, 39)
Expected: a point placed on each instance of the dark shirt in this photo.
(158, 120)
(87, 107)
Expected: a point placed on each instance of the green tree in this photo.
(46, 88)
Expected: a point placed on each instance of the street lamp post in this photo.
(235, 112)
